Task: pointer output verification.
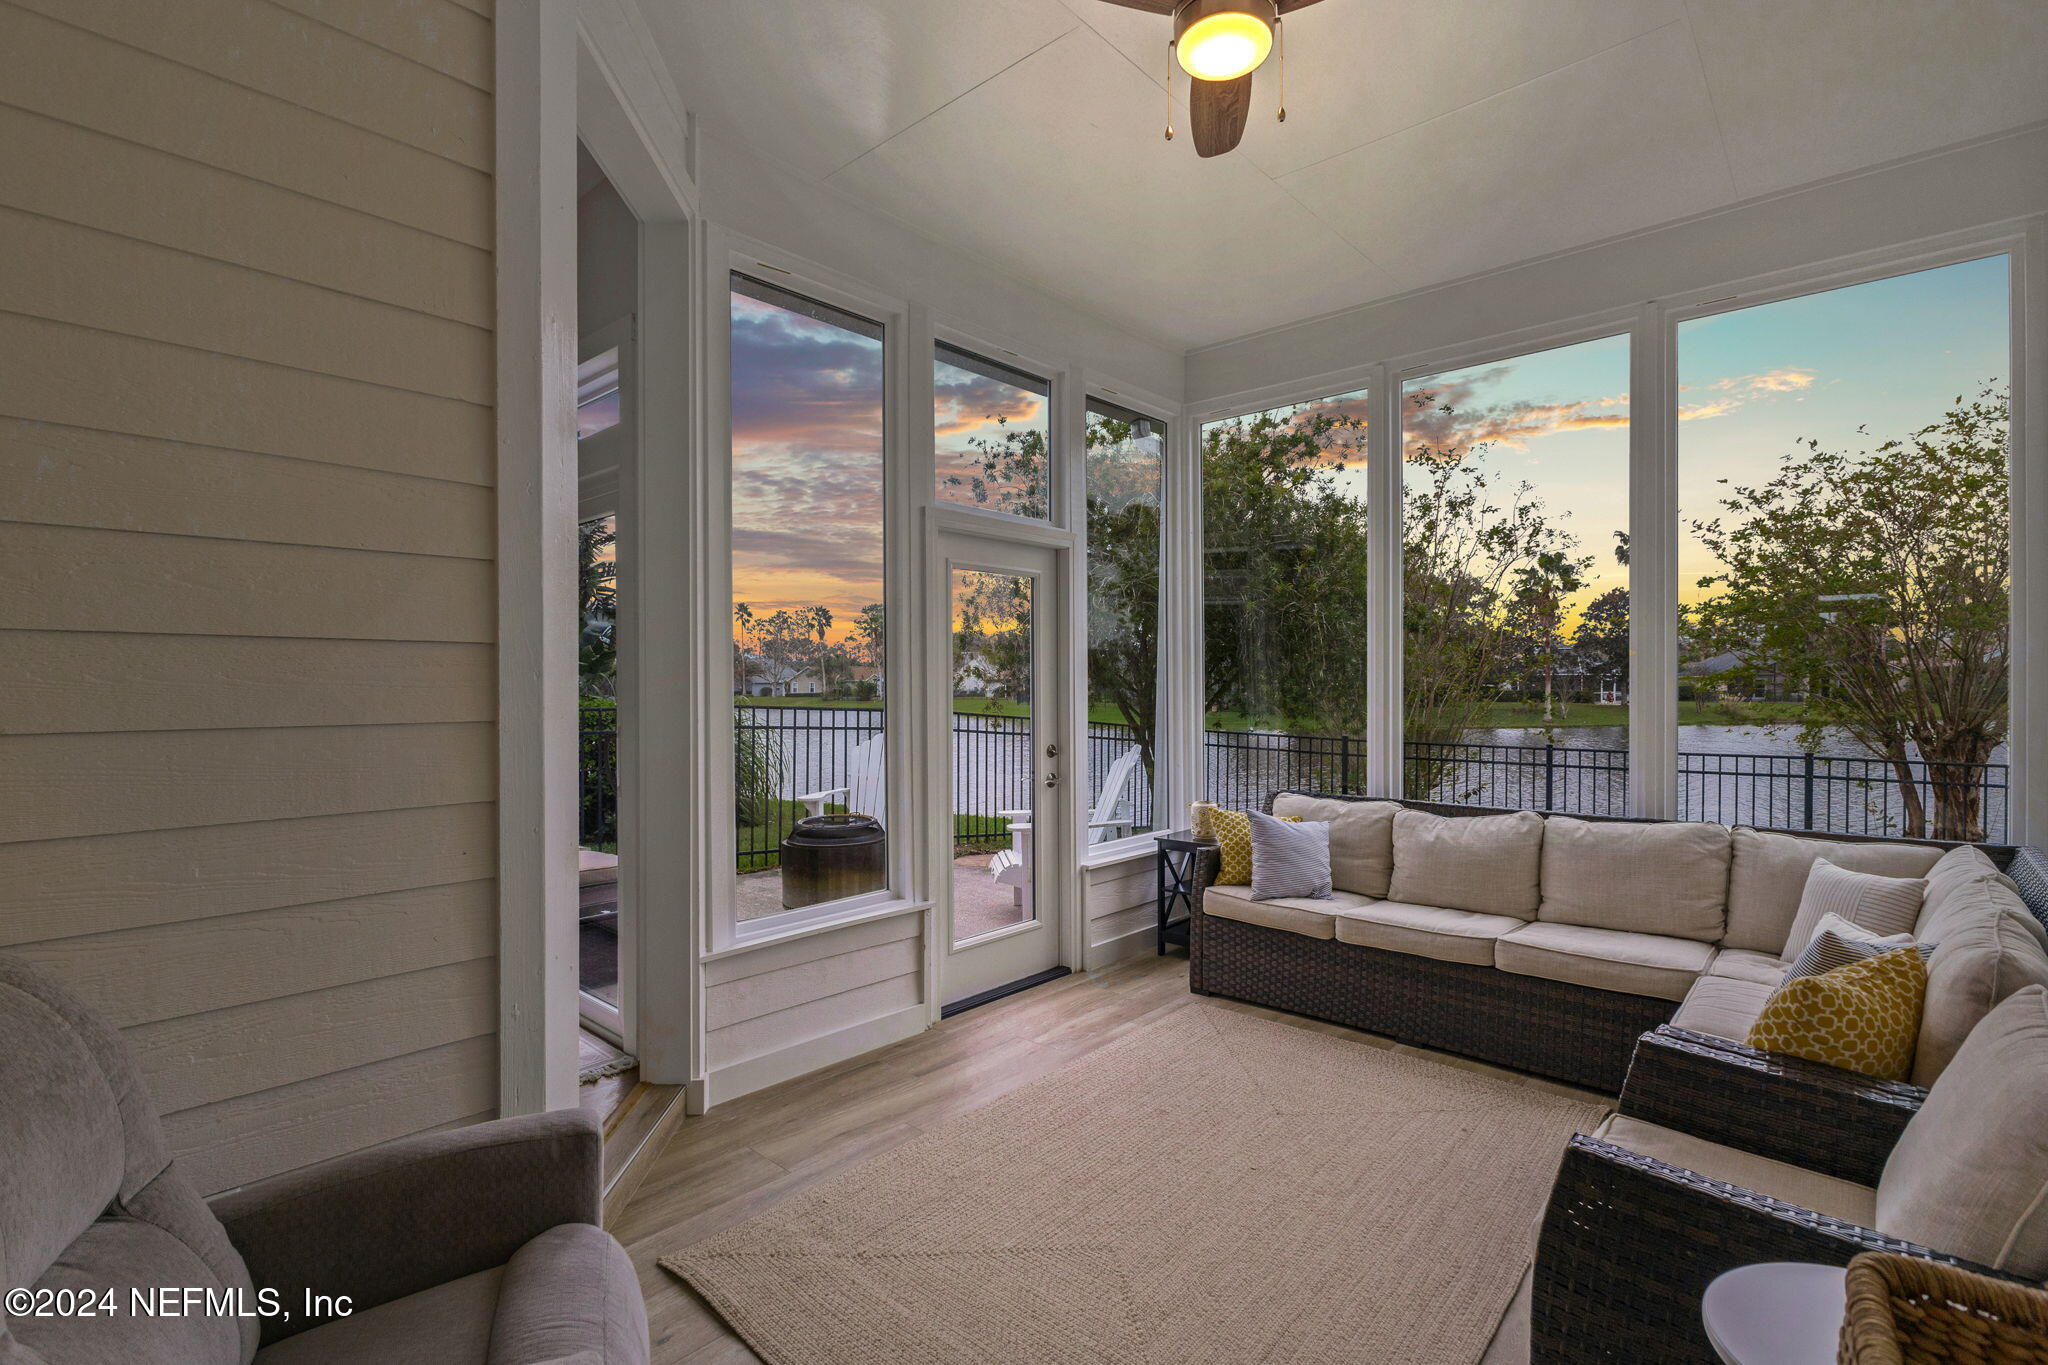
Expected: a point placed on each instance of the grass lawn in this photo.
(784, 814)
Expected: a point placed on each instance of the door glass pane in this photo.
(994, 743)
(1515, 582)
(992, 428)
(1126, 464)
(597, 394)
(1284, 601)
(1844, 562)
(598, 771)
(808, 540)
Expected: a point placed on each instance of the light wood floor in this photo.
(725, 1166)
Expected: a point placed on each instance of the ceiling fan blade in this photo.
(1217, 110)
(1286, 6)
(1149, 6)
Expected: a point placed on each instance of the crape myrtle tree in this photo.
(1124, 487)
(1878, 582)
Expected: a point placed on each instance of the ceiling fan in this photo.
(1219, 43)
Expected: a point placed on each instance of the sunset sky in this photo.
(1892, 355)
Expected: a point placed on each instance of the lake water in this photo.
(1737, 774)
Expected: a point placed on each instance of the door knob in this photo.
(1052, 779)
(1052, 751)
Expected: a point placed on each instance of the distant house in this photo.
(1711, 676)
(759, 677)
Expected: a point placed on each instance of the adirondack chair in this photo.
(1011, 867)
(864, 792)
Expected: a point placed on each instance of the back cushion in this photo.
(1767, 875)
(1361, 838)
(1970, 1172)
(1669, 878)
(1986, 948)
(1485, 863)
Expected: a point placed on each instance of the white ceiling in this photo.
(1425, 140)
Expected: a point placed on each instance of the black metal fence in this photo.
(788, 752)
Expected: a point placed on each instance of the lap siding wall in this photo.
(247, 531)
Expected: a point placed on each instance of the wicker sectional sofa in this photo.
(1550, 944)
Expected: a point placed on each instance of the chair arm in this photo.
(814, 802)
(384, 1223)
(1630, 1244)
(1805, 1113)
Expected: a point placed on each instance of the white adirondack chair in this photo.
(864, 792)
(1011, 866)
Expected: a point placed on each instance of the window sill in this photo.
(744, 943)
(1127, 850)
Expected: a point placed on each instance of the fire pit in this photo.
(830, 857)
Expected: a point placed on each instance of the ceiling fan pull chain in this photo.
(1169, 90)
(1280, 36)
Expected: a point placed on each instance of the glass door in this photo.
(1002, 924)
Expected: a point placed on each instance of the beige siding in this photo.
(795, 993)
(247, 601)
(1122, 900)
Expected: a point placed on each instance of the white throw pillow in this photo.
(1837, 943)
(1289, 858)
(1883, 905)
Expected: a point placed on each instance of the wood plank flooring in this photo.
(722, 1167)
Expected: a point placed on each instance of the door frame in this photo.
(1056, 892)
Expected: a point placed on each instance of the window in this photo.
(1126, 454)
(1284, 600)
(992, 430)
(597, 837)
(808, 545)
(1515, 581)
(597, 394)
(1844, 560)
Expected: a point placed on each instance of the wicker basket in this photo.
(1906, 1311)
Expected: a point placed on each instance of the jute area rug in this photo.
(1213, 1188)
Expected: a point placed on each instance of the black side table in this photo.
(1178, 849)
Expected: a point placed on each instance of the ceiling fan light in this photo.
(1220, 40)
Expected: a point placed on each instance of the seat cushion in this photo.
(1985, 949)
(570, 1294)
(1723, 1006)
(1843, 1199)
(1605, 959)
(449, 1324)
(1969, 1175)
(1746, 964)
(1767, 875)
(1361, 838)
(1667, 878)
(1295, 914)
(1425, 931)
(1485, 863)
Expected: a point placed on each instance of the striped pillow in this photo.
(1290, 857)
(1882, 905)
(1837, 943)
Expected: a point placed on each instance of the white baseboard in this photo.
(728, 1083)
(1137, 942)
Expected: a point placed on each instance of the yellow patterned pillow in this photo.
(1232, 831)
(1865, 1016)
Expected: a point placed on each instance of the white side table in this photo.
(1776, 1313)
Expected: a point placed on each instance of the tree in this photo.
(1879, 584)
(868, 635)
(992, 636)
(1124, 486)
(1601, 640)
(598, 600)
(818, 621)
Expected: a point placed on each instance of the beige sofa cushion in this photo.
(1606, 959)
(1987, 948)
(1722, 1006)
(1767, 875)
(1746, 964)
(1959, 886)
(1425, 931)
(1843, 1199)
(1315, 918)
(1969, 1175)
(1361, 838)
(1486, 863)
(1666, 878)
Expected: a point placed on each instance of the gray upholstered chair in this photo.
(475, 1245)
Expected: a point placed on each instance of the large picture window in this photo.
(992, 429)
(1125, 486)
(1515, 581)
(1284, 600)
(808, 547)
(1844, 558)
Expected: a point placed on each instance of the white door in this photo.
(1004, 896)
